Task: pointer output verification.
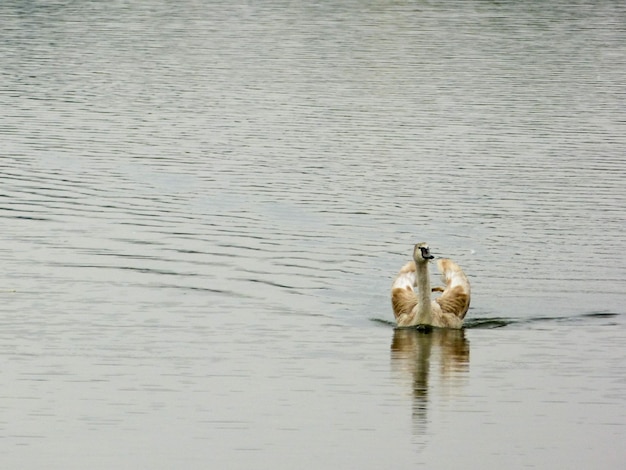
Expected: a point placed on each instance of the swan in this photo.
(446, 311)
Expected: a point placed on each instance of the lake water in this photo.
(203, 205)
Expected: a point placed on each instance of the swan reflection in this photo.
(416, 354)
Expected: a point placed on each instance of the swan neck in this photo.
(424, 312)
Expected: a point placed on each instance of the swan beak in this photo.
(426, 253)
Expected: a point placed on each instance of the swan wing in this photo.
(456, 294)
(403, 298)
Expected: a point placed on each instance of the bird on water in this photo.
(413, 309)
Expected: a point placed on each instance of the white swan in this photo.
(446, 311)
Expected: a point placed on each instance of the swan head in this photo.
(421, 253)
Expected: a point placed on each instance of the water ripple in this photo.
(203, 203)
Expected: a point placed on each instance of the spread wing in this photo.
(456, 294)
(403, 298)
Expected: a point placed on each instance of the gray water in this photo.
(203, 204)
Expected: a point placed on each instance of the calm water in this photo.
(203, 204)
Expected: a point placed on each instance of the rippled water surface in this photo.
(203, 204)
